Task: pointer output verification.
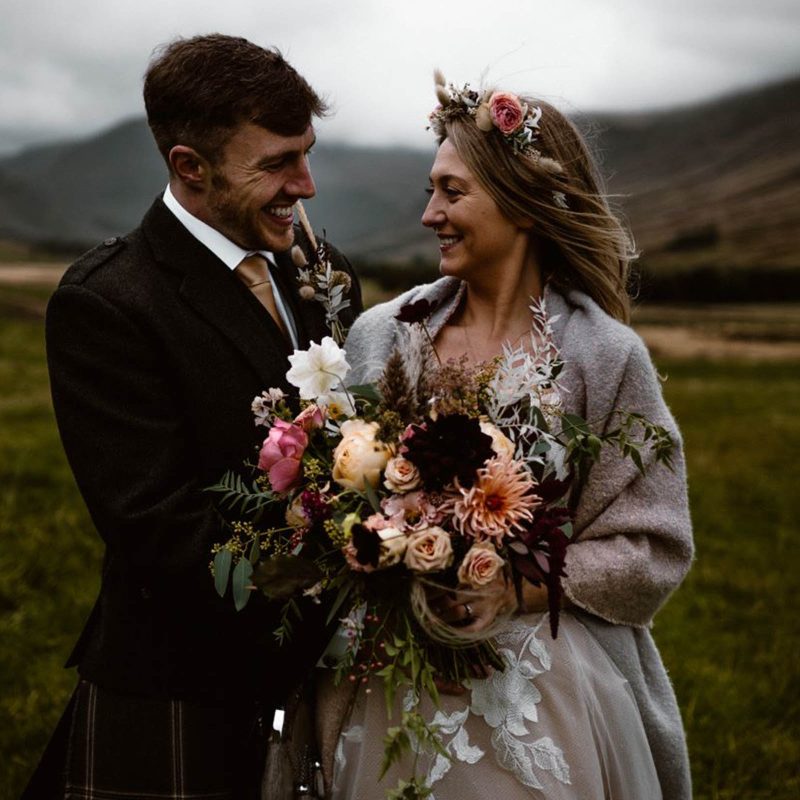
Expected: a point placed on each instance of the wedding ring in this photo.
(468, 610)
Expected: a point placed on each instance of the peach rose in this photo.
(507, 112)
(480, 565)
(359, 458)
(401, 475)
(429, 550)
(501, 444)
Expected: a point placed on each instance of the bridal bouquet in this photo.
(438, 477)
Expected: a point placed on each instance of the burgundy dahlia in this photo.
(416, 312)
(451, 446)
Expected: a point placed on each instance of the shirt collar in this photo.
(223, 248)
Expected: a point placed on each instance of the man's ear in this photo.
(191, 169)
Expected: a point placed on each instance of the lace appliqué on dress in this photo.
(507, 699)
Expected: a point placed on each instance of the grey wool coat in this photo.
(634, 540)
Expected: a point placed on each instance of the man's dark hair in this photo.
(198, 90)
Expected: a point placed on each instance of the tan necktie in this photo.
(254, 273)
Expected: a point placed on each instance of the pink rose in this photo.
(311, 417)
(480, 565)
(282, 453)
(401, 475)
(507, 111)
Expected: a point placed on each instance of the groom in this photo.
(157, 343)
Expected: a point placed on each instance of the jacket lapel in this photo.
(214, 292)
(308, 314)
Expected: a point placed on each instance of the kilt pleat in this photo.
(123, 747)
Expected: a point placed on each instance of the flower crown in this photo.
(516, 121)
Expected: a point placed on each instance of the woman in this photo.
(519, 213)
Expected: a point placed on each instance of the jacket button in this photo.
(111, 241)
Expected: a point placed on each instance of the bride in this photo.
(516, 204)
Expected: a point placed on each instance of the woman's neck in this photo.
(494, 312)
(498, 308)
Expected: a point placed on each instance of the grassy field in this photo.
(729, 636)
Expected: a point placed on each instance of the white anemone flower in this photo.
(318, 370)
(339, 404)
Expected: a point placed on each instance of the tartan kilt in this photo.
(125, 747)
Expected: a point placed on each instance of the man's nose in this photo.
(301, 184)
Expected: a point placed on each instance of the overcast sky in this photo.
(72, 67)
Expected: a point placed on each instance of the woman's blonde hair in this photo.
(582, 244)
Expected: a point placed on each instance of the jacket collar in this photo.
(214, 292)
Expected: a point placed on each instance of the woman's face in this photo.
(475, 239)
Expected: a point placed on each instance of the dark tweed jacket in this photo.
(155, 352)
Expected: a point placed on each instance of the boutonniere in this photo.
(319, 281)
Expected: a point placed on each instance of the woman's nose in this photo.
(433, 214)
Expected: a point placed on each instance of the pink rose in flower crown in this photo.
(282, 453)
(507, 112)
(480, 565)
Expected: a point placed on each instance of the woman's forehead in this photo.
(448, 163)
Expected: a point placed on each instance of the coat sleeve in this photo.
(633, 532)
(125, 440)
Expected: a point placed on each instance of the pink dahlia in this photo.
(498, 503)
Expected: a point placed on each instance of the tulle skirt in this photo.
(560, 723)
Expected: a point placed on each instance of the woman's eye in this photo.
(429, 190)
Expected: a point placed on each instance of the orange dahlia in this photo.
(502, 498)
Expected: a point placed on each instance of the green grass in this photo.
(729, 636)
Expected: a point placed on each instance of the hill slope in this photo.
(715, 184)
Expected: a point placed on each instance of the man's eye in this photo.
(429, 190)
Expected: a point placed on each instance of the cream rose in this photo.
(501, 444)
(480, 565)
(393, 547)
(429, 550)
(359, 459)
(401, 475)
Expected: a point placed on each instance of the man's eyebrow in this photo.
(282, 154)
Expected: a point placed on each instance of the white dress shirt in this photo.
(229, 254)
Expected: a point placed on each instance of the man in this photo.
(157, 344)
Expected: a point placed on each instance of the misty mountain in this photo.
(714, 184)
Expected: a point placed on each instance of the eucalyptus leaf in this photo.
(372, 497)
(367, 391)
(241, 582)
(282, 577)
(222, 571)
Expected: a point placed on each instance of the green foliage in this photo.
(729, 636)
(222, 570)
(279, 577)
(241, 583)
(246, 499)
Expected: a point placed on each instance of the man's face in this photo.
(255, 185)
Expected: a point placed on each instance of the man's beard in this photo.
(231, 219)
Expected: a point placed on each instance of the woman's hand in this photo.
(474, 611)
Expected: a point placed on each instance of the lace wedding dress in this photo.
(559, 723)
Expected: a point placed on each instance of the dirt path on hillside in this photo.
(32, 274)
